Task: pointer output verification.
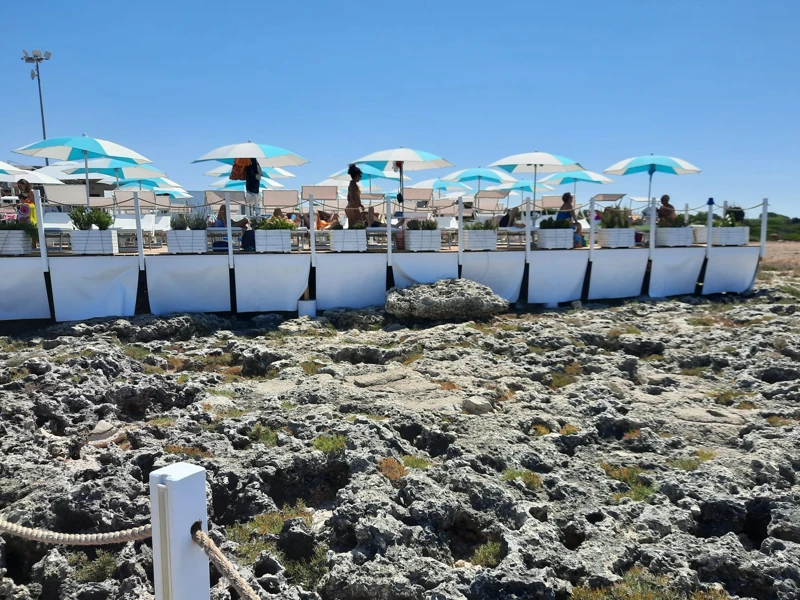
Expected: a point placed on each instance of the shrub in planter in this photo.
(101, 219)
(16, 236)
(616, 230)
(674, 232)
(88, 241)
(423, 236)
(353, 239)
(80, 218)
(187, 234)
(480, 236)
(554, 235)
(359, 225)
(274, 235)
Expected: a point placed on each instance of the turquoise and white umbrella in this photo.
(267, 156)
(652, 164)
(403, 159)
(439, 185)
(32, 177)
(114, 167)
(479, 174)
(81, 147)
(172, 192)
(536, 162)
(270, 172)
(7, 169)
(574, 177)
(230, 185)
(164, 182)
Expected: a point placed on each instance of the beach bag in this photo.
(238, 170)
(248, 241)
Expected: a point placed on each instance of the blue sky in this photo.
(714, 82)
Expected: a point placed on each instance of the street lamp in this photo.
(36, 59)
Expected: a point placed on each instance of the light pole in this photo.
(36, 59)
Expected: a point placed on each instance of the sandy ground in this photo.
(783, 256)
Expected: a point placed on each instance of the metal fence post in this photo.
(710, 227)
(230, 231)
(592, 222)
(312, 224)
(764, 217)
(460, 230)
(139, 240)
(652, 240)
(37, 200)
(177, 501)
(527, 230)
(388, 230)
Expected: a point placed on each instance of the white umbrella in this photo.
(32, 177)
(267, 156)
(271, 172)
(574, 177)
(7, 169)
(114, 167)
(404, 159)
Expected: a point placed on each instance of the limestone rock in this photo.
(449, 299)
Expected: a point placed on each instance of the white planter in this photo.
(187, 241)
(273, 240)
(723, 236)
(616, 238)
(418, 240)
(94, 241)
(672, 237)
(14, 242)
(307, 308)
(555, 239)
(480, 239)
(348, 240)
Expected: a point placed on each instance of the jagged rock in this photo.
(364, 319)
(477, 406)
(449, 299)
(296, 540)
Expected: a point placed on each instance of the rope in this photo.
(223, 565)
(89, 539)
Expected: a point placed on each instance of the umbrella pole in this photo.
(86, 168)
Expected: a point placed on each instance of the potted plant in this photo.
(480, 236)
(726, 232)
(85, 240)
(353, 239)
(423, 236)
(554, 235)
(187, 234)
(274, 235)
(16, 236)
(615, 229)
(674, 232)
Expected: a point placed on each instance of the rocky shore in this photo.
(532, 454)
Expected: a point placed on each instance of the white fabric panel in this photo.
(731, 269)
(350, 280)
(85, 287)
(186, 283)
(425, 267)
(556, 276)
(266, 282)
(675, 271)
(501, 271)
(617, 273)
(23, 294)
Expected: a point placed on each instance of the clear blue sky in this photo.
(716, 82)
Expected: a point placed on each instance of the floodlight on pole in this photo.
(37, 58)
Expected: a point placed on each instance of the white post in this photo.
(177, 501)
(230, 231)
(389, 225)
(139, 240)
(725, 208)
(710, 227)
(764, 214)
(591, 228)
(312, 230)
(528, 230)
(460, 230)
(686, 214)
(37, 200)
(652, 228)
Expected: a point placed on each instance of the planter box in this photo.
(478, 240)
(94, 241)
(348, 240)
(723, 236)
(616, 238)
(14, 243)
(554, 239)
(187, 241)
(273, 240)
(423, 240)
(672, 237)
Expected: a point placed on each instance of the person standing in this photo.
(252, 182)
(26, 209)
(355, 211)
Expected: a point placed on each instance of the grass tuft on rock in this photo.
(726, 397)
(263, 435)
(694, 372)
(616, 332)
(531, 480)
(631, 434)
(101, 568)
(539, 430)
(392, 469)
(638, 584)
(487, 555)
(691, 463)
(161, 422)
(746, 405)
(189, 451)
(568, 430)
(330, 444)
(272, 522)
(776, 421)
(416, 462)
(136, 352)
(310, 367)
(413, 358)
(639, 492)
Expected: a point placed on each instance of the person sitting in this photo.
(291, 217)
(508, 219)
(666, 211)
(355, 211)
(577, 236)
(567, 210)
(222, 220)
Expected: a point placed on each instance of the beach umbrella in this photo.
(172, 192)
(57, 170)
(114, 167)
(7, 169)
(437, 185)
(652, 164)
(267, 156)
(229, 185)
(85, 147)
(536, 162)
(479, 174)
(32, 177)
(403, 159)
(574, 177)
(523, 185)
(270, 172)
(149, 182)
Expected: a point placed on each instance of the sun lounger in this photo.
(56, 225)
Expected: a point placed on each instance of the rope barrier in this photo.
(223, 565)
(43, 536)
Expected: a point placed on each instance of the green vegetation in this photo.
(746, 405)
(791, 291)
(189, 451)
(726, 397)
(531, 480)
(691, 463)
(638, 584)
(310, 367)
(484, 328)
(413, 358)
(540, 430)
(286, 405)
(330, 444)
(694, 372)
(272, 522)
(569, 376)
(487, 555)
(263, 435)
(776, 421)
(136, 352)
(220, 392)
(416, 462)
(701, 321)
(161, 422)
(12, 345)
(101, 568)
(616, 332)
(629, 476)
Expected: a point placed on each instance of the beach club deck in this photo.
(65, 286)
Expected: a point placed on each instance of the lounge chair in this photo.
(56, 225)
